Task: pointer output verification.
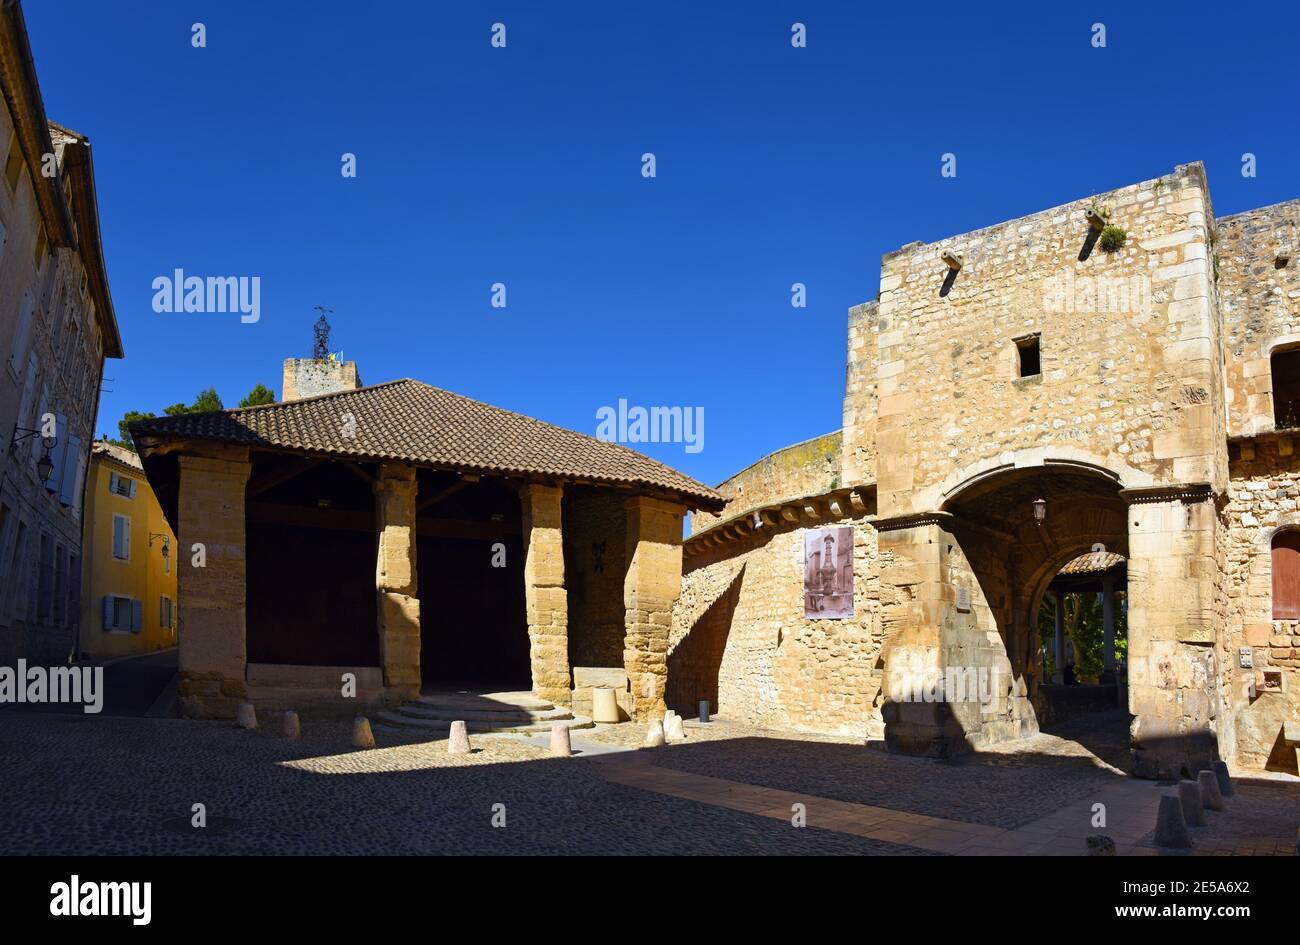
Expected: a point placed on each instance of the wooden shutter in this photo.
(1286, 576)
(108, 612)
(135, 616)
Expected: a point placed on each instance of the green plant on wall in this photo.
(1113, 237)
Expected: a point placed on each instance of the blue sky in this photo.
(522, 165)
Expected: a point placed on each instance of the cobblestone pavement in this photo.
(126, 786)
(85, 785)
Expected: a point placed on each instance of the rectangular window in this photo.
(18, 353)
(1286, 389)
(9, 590)
(57, 615)
(121, 538)
(1286, 576)
(121, 613)
(165, 612)
(45, 580)
(1030, 358)
(121, 485)
(13, 161)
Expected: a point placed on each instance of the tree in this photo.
(204, 401)
(259, 395)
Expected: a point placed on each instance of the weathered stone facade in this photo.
(1014, 397)
(311, 377)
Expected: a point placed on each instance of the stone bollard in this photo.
(246, 716)
(561, 746)
(704, 710)
(458, 739)
(1225, 781)
(292, 727)
(362, 737)
(1193, 801)
(1210, 795)
(673, 730)
(654, 736)
(1171, 828)
(1100, 845)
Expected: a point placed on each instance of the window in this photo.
(9, 589)
(45, 580)
(1286, 575)
(165, 612)
(121, 613)
(1030, 358)
(121, 538)
(19, 350)
(57, 613)
(121, 485)
(1286, 388)
(13, 161)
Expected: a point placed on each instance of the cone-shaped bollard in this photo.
(561, 747)
(673, 731)
(458, 740)
(654, 736)
(704, 710)
(1171, 828)
(362, 737)
(1189, 795)
(1225, 781)
(1100, 845)
(246, 716)
(1210, 795)
(292, 727)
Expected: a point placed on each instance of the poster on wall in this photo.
(828, 573)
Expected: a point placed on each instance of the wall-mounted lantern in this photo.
(44, 465)
(166, 543)
(1040, 510)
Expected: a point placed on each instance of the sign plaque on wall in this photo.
(828, 573)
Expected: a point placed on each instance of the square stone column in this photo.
(398, 606)
(651, 586)
(1173, 630)
(212, 591)
(545, 596)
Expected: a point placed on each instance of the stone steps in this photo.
(487, 712)
(400, 720)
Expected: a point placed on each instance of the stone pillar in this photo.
(398, 604)
(545, 595)
(651, 586)
(1108, 623)
(1173, 673)
(1059, 611)
(212, 591)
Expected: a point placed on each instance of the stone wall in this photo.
(1259, 296)
(310, 377)
(858, 462)
(1264, 497)
(740, 638)
(808, 468)
(595, 530)
(1130, 373)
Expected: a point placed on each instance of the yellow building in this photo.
(129, 572)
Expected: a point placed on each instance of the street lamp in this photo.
(1040, 510)
(44, 465)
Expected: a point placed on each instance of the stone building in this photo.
(1017, 397)
(56, 328)
(401, 536)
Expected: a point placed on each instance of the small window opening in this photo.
(1031, 361)
(1286, 389)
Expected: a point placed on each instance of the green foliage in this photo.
(259, 395)
(1085, 626)
(1113, 237)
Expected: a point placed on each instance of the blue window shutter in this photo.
(135, 616)
(108, 612)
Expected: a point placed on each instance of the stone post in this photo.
(1108, 623)
(212, 590)
(1173, 673)
(398, 605)
(545, 595)
(651, 586)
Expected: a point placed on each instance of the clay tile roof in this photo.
(1094, 562)
(121, 454)
(410, 421)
